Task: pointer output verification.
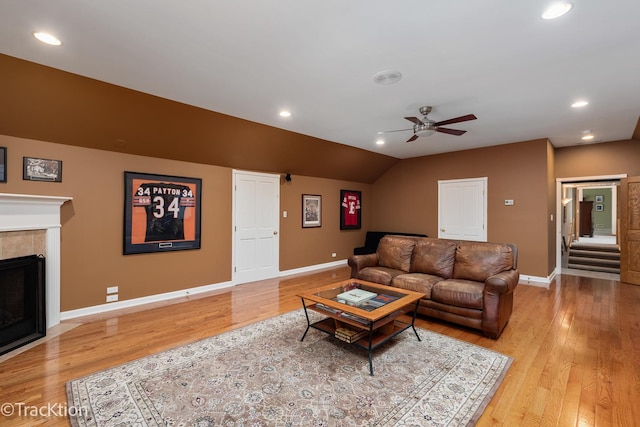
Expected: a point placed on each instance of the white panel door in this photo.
(462, 209)
(256, 202)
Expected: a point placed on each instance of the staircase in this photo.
(594, 257)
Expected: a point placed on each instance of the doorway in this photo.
(587, 226)
(256, 243)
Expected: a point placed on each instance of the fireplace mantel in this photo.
(19, 212)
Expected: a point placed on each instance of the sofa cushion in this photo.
(480, 260)
(461, 293)
(417, 282)
(395, 252)
(434, 256)
(382, 275)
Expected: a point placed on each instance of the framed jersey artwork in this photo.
(350, 209)
(161, 213)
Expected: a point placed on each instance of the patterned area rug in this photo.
(262, 375)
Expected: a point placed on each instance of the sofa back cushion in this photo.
(434, 256)
(480, 260)
(395, 252)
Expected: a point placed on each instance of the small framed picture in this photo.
(599, 199)
(3, 164)
(35, 169)
(599, 207)
(350, 208)
(311, 210)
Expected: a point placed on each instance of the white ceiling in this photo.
(496, 59)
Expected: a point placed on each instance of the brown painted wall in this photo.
(312, 246)
(92, 224)
(403, 199)
(609, 158)
(406, 197)
(46, 104)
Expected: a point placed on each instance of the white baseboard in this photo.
(311, 268)
(543, 282)
(102, 308)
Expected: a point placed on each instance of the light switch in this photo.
(509, 202)
(284, 214)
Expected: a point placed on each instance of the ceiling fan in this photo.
(427, 127)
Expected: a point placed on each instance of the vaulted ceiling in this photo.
(498, 59)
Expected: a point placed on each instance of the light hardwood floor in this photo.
(576, 348)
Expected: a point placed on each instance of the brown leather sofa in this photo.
(468, 283)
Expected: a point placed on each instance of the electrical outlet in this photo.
(112, 298)
(112, 290)
(509, 202)
(333, 254)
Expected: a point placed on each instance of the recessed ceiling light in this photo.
(285, 114)
(556, 10)
(387, 77)
(380, 142)
(579, 104)
(587, 137)
(47, 38)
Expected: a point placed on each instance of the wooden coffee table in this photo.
(367, 325)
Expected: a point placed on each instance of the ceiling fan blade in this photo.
(413, 138)
(414, 120)
(456, 132)
(397, 130)
(457, 120)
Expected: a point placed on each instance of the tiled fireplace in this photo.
(30, 225)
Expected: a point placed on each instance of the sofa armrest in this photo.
(358, 262)
(502, 283)
(498, 302)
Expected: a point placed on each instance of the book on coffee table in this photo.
(383, 299)
(356, 296)
(370, 305)
(349, 335)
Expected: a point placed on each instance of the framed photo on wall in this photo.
(3, 164)
(599, 207)
(161, 213)
(599, 199)
(350, 209)
(311, 210)
(35, 169)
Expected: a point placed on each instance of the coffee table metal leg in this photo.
(413, 320)
(370, 350)
(308, 321)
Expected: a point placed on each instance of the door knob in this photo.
(275, 232)
(443, 230)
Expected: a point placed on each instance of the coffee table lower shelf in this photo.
(378, 332)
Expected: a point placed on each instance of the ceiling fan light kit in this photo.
(426, 127)
(423, 130)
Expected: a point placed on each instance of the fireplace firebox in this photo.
(22, 301)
